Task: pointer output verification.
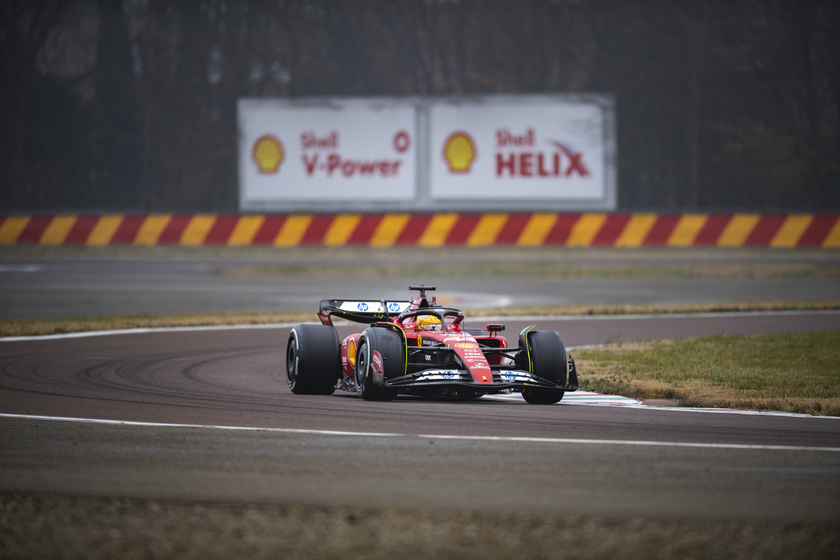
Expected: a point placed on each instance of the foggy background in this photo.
(130, 105)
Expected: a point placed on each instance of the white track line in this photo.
(586, 398)
(429, 436)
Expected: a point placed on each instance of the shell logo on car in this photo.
(459, 152)
(268, 153)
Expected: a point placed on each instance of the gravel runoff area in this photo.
(38, 526)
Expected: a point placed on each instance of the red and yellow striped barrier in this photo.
(429, 230)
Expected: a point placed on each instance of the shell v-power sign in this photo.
(489, 153)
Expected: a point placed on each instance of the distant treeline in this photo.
(131, 105)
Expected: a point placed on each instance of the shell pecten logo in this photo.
(459, 152)
(268, 153)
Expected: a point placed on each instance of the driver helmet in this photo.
(428, 322)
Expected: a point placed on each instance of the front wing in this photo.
(505, 378)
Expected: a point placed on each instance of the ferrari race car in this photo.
(421, 348)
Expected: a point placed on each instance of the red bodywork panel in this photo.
(465, 345)
(349, 346)
(467, 349)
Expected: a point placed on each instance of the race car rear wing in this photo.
(360, 311)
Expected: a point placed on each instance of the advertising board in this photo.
(326, 153)
(523, 149)
(486, 153)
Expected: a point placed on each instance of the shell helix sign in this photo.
(525, 152)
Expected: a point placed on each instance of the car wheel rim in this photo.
(291, 362)
(361, 367)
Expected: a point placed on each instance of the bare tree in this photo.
(24, 28)
(720, 104)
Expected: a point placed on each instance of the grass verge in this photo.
(41, 327)
(785, 372)
(554, 269)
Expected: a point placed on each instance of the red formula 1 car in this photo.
(420, 348)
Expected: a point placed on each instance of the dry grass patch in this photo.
(34, 526)
(40, 327)
(785, 372)
(554, 268)
(647, 309)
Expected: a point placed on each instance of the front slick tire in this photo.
(548, 360)
(388, 345)
(313, 360)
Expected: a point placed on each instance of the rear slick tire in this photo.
(313, 360)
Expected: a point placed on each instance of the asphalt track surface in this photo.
(105, 283)
(339, 449)
(205, 416)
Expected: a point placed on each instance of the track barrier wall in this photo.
(427, 230)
